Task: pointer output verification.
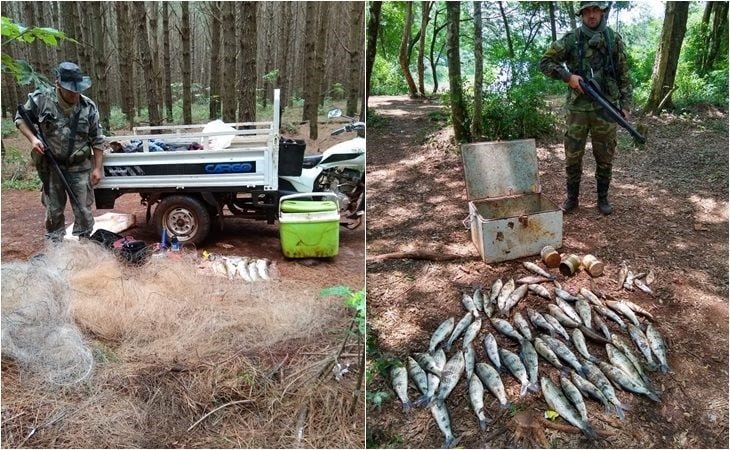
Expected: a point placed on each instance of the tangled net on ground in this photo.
(37, 328)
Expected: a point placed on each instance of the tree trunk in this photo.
(84, 38)
(214, 104)
(152, 26)
(355, 51)
(458, 111)
(98, 31)
(143, 47)
(667, 56)
(571, 15)
(510, 47)
(269, 49)
(372, 39)
(425, 15)
(166, 57)
(285, 56)
(187, 68)
(403, 59)
(70, 50)
(319, 66)
(432, 58)
(125, 42)
(228, 87)
(476, 124)
(553, 27)
(247, 45)
(717, 35)
(310, 47)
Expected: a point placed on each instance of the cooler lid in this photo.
(500, 168)
(307, 206)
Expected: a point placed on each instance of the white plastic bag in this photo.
(219, 142)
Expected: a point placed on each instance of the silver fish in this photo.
(620, 378)
(490, 347)
(531, 279)
(575, 397)
(468, 303)
(505, 328)
(590, 296)
(514, 298)
(399, 378)
(658, 346)
(642, 343)
(607, 313)
(490, 378)
(539, 321)
(622, 274)
(489, 307)
(620, 360)
(637, 309)
(441, 415)
(522, 326)
(443, 330)
(450, 376)
(556, 326)
(534, 268)
(565, 295)
(539, 290)
(242, 270)
(583, 308)
(592, 335)
(426, 361)
(564, 353)
(478, 298)
(558, 403)
(262, 267)
(516, 368)
(529, 358)
(628, 351)
(504, 293)
(496, 289)
(471, 333)
(595, 376)
(563, 318)
(460, 327)
(420, 379)
(579, 341)
(629, 281)
(649, 277)
(591, 390)
(625, 310)
(568, 310)
(476, 397)
(546, 352)
(439, 360)
(601, 326)
(640, 284)
(469, 360)
(253, 271)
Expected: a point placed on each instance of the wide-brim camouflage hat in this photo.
(584, 5)
(70, 77)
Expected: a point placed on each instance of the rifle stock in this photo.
(47, 154)
(613, 111)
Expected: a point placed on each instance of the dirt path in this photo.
(671, 216)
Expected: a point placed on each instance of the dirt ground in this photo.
(670, 215)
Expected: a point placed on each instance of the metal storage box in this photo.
(509, 216)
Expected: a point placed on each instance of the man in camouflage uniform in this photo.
(79, 156)
(591, 51)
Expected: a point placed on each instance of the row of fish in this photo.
(248, 269)
(628, 279)
(583, 374)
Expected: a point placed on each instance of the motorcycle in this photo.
(340, 169)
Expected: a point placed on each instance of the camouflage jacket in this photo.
(604, 59)
(56, 126)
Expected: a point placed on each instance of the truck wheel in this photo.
(183, 217)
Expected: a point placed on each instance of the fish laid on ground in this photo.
(620, 378)
(522, 326)
(262, 268)
(471, 332)
(637, 309)
(476, 397)
(558, 403)
(658, 346)
(504, 293)
(478, 298)
(565, 295)
(539, 321)
(496, 289)
(556, 326)
(231, 268)
(601, 326)
(469, 360)
(441, 415)
(460, 327)
(607, 313)
(548, 354)
(514, 298)
(629, 281)
(595, 376)
(534, 268)
(583, 308)
(242, 270)
(420, 379)
(253, 271)
(489, 307)
(591, 390)
(563, 318)
(439, 359)
(427, 362)
(575, 397)
(623, 271)
(492, 350)
(443, 330)
(568, 310)
(642, 343)
(539, 290)
(590, 296)
(579, 342)
(620, 360)
(490, 378)
(623, 309)
(505, 328)
(643, 287)
(516, 368)
(469, 304)
(531, 279)
(399, 378)
(592, 335)
(628, 351)
(649, 277)
(450, 376)
(529, 359)
(564, 353)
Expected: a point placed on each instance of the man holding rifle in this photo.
(64, 126)
(592, 53)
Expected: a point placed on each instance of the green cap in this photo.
(583, 5)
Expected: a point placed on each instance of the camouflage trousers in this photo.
(603, 140)
(54, 199)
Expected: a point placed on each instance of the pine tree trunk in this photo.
(425, 15)
(319, 69)
(718, 35)
(458, 110)
(372, 39)
(83, 31)
(476, 124)
(70, 50)
(553, 27)
(166, 59)
(100, 64)
(125, 42)
(228, 87)
(214, 104)
(247, 44)
(403, 59)
(310, 48)
(145, 54)
(187, 68)
(356, 41)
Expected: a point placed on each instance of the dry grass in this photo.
(171, 345)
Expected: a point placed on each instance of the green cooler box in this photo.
(309, 228)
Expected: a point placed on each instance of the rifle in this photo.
(614, 112)
(38, 133)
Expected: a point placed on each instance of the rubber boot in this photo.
(571, 201)
(602, 190)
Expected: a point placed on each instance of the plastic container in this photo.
(291, 157)
(550, 256)
(309, 228)
(593, 266)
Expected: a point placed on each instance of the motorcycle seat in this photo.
(311, 161)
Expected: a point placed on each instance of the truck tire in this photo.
(184, 217)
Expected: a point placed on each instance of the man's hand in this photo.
(574, 83)
(37, 146)
(627, 114)
(95, 176)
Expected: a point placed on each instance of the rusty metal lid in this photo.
(500, 169)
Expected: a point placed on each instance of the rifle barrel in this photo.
(613, 111)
